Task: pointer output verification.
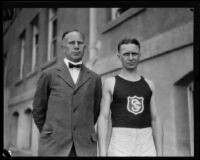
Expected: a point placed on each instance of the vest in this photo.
(130, 107)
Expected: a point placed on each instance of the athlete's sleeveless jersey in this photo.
(130, 107)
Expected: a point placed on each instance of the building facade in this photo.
(32, 44)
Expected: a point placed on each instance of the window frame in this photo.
(22, 54)
(116, 14)
(35, 46)
(112, 23)
(52, 17)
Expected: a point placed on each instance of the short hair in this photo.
(128, 41)
(74, 30)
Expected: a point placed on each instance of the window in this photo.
(117, 16)
(22, 52)
(27, 129)
(14, 128)
(116, 12)
(184, 112)
(35, 44)
(52, 34)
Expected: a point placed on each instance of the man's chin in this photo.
(77, 60)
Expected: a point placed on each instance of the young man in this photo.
(67, 103)
(136, 126)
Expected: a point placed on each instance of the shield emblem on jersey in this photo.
(135, 104)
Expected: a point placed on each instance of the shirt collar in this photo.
(67, 62)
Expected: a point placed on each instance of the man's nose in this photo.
(76, 45)
(131, 56)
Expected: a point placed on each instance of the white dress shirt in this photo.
(73, 71)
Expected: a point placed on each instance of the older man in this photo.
(66, 103)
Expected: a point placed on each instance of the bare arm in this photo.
(156, 123)
(103, 120)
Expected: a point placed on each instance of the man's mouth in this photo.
(131, 63)
(76, 53)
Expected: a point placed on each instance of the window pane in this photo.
(22, 55)
(52, 33)
(121, 10)
(53, 48)
(35, 26)
(36, 54)
(36, 39)
(54, 28)
(52, 12)
(116, 12)
(54, 51)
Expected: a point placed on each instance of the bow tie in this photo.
(74, 65)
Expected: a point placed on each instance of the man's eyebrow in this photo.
(131, 52)
(75, 40)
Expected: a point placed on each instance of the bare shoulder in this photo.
(150, 83)
(109, 80)
(109, 83)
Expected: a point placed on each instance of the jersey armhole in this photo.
(113, 86)
(149, 84)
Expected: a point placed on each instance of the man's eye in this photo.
(126, 54)
(80, 43)
(72, 43)
(135, 54)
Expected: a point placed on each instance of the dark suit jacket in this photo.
(65, 113)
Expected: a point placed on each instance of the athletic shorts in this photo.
(131, 142)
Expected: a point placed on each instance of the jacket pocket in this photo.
(47, 132)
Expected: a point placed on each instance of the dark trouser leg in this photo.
(72, 152)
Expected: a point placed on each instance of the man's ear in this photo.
(62, 44)
(118, 54)
(84, 47)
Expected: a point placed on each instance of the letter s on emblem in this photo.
(135, 104)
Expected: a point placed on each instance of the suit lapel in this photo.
(84, 76)
(65, 75)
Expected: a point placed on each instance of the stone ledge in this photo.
(123, 17)
(22, 97)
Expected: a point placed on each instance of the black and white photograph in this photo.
(100, 81)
